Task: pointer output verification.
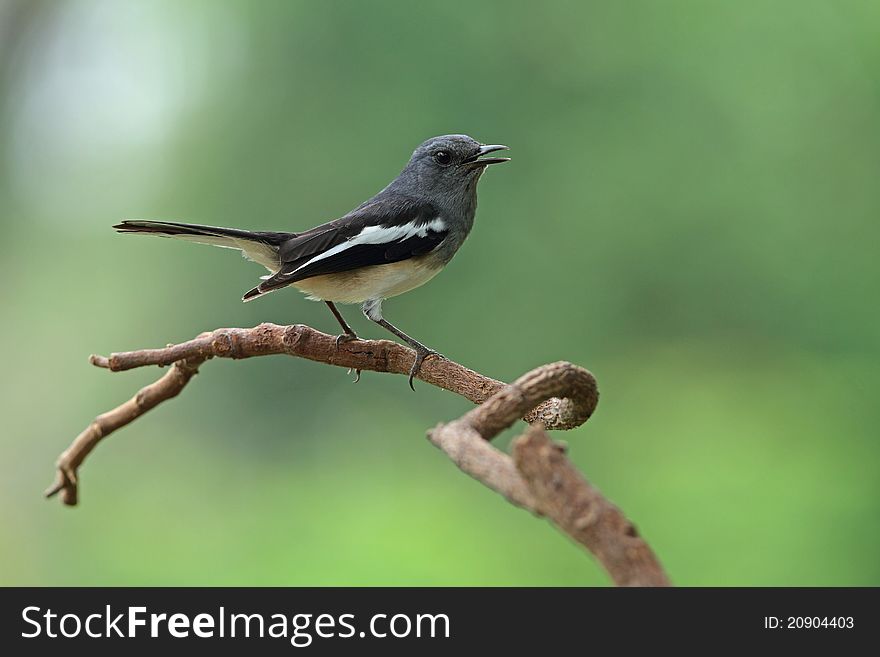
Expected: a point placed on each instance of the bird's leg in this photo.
(348, 333)
(422, 352)
(373, 311)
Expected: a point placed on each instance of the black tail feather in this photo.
(252, 294)
(172, 228)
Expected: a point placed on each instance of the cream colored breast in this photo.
(374, 282)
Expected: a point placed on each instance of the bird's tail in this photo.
(261, 247)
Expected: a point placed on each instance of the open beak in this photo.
(477, 158)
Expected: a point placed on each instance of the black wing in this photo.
(385, 216)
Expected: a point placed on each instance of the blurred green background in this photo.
(691, 213)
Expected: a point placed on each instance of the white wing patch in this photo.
(378, 235)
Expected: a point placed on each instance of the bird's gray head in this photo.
(448, 166)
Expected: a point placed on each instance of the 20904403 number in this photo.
(815, 622)
(808, 622)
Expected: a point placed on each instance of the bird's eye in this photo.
(443, 157)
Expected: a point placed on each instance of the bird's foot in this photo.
(345, 337)
(422, 352)
(342, 339)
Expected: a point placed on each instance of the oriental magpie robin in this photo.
(394, 242)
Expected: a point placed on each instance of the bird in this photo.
(390, 244)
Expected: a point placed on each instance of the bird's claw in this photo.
(342, 339)
(421, 354)
(345, 337)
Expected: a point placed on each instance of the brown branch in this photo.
(580, 510)
(371, 355)
(538, 478)
(541, 479)
(148, 397)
